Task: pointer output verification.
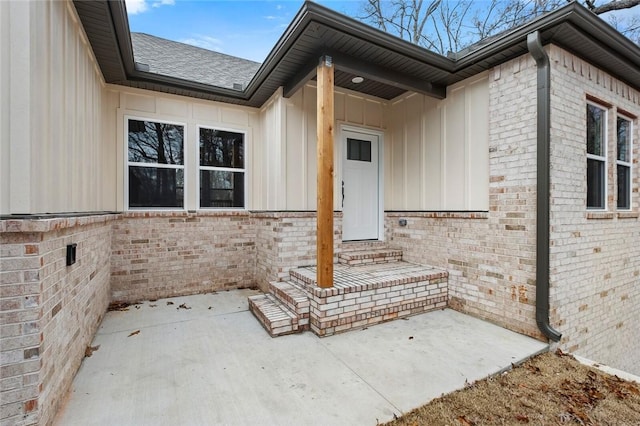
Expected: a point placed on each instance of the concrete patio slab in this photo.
(204, 366)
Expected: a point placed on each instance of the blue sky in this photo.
(247, 29)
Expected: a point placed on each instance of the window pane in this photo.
(221, 149)
(595, 130)
(155, 187)
(358, 150)
(151, 142)
(221, 189)
(353, 149)
(624, 139)
(624, 186)
(595, 184)
(365, 151)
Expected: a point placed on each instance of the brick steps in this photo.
(368, 256)
(371, 285)
(275, 317)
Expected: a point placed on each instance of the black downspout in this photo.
(542, 211)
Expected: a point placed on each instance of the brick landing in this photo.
(362, 295)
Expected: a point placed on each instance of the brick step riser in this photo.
(370, 256)
(369, 260)
(358, 246)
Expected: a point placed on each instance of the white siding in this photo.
(272, 157)
(289, 144)
(437, 152)
(52, 119)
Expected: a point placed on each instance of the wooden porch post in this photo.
(325, 119)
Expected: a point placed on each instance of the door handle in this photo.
(342, 193)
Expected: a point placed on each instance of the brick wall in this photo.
(164, 254)
(287, 240)
(595, 256)
(49, 311)
(490, 255)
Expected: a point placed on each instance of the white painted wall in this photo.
(51, 113)
(289, 144)
(437, 153)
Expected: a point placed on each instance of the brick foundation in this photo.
(164, 254)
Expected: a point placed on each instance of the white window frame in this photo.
(128, 163)
(629, 163)
(602, 158)
(245, 140)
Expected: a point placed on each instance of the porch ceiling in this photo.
(390, 66)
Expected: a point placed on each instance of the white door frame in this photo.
(343, 127)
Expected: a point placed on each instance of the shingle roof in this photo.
(191, 63)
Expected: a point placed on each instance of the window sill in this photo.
(600, 215)
(628, 215)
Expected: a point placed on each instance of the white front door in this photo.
(360, 190)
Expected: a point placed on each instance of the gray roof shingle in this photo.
(191, 63)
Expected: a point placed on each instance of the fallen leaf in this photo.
(183, 306)
(533, 369)
(137, 307)
(152, 306)
(118, 306)
(464, 421)
(169, 303)
(90, 350)
(410, 337)
(210, 308)
(134, 333)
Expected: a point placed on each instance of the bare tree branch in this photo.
(613, 5)
(452, 25)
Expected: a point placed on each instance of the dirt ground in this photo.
(550, 389)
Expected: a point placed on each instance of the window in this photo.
(596, 156)
(156, 164)
(222, 168)
(623, 162)
(358, 150)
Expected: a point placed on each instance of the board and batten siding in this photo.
(286, 158)
(145, 104)
(437, 152)
(51, 118)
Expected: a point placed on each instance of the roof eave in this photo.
(475, 61)
(573, 13)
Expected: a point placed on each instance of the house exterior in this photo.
(126, 177)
